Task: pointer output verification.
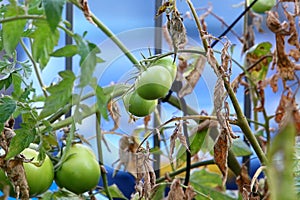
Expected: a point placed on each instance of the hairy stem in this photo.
(35, 67)
(10, 19)
(200, 30)
(100, 154)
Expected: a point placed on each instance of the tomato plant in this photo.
(80, 172)
(138, 106)
(154, 82)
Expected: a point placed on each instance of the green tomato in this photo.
(168, 63)
(39, 177)
(154, 83)
(80, 172)
(138, 106)
(262, 6)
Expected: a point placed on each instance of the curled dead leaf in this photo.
(221, 149)
(193, 77)
(113, 110)
(176, 192)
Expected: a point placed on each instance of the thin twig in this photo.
(35, 67)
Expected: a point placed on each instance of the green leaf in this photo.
(196, 141)
(60, 94)
(5, 82)
(12, 31)
(205, 182)
(35, 7)
(16, 81)
(240, 148)
(44, 41)
(88, 53)
(115, 192)
(280, 170)
(7, 107)
(53, 10)
(102, 98)
(20, 141)
(102, 101)
(66, 51)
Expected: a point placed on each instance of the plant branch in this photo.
(111, 35)
(181, 170)
(200, 30)
(100, 154)
(10, 19)
(35, 67)
(244, 125)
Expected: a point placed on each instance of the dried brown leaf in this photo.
(293, 39)
(176, 192)
(219, 101)
(176, 30)
(127, 158)
(190, 193)
(144, 171)
(177, 133)
(86, 11)
(212, 61)
(193, 77)
(225, 58)
(274, 82)
(295, 53)
(146, 121)
(221, 149)
(113, 110)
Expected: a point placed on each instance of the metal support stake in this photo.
(157, 50)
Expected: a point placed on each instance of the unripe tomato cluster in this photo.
(79, 173)
(152, 84)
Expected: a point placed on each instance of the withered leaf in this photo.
(177, 133)
(127, 158)
(86, 11)
(293, 39)
(295, 53)
(176, 30)
(274, 82)
(113, 110)
(146, 121)
(189, 193)
(221, 149)
(145, 171)
(176, 192)
(219, 101)
(225, 58)
(193, 77)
